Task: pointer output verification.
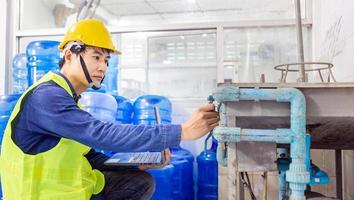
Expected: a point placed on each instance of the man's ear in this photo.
(68, 56)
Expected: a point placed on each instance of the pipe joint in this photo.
(227, 94)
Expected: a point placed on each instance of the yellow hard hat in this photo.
(91, 32)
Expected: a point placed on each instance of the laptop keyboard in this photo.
(138, 157)
(135, 158)
(146, 157)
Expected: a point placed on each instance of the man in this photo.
(46, 151)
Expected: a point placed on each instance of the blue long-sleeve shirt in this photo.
(50, 113)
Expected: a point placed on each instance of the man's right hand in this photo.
(200, 123)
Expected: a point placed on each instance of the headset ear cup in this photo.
(76, 49)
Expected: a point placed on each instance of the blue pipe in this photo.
(281, 185)
(235, 134)
(221, 152)
(283, 165)
(297, 175)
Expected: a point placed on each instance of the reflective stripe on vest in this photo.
(62, 172)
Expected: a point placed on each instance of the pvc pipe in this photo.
(298, 175)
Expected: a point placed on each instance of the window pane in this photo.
(182, 49)
(183, 64)
(255, 51)
(175, 64)
(183, 83)
(132, 82)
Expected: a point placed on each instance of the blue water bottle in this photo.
(124, 111)
(7, 103)
(42, 56)
(19, 73)
(208, 173)
(183, 161)
(100, 105)
(110, 81)
(163, 176)
(144, 109)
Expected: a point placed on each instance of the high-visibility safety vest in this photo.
(60, 173)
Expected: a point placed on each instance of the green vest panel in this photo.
(61, 173)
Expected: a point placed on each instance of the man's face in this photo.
(96, 60)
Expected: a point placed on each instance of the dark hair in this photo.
(77, 49)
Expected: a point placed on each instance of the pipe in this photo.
(235, 134)
(300, 43)
(281, 185)
(221, 154)
(297, 175)
(283, 165)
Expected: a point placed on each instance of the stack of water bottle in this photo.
(19, 74)
(41, 57)
(7, 103)
(108, 108)
(174, 181)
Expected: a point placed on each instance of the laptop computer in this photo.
(138, 158)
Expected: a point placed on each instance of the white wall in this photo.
(333, 29)
(333, 39)
(37, 14)
(2, 44)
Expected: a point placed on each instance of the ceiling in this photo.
(163, 7)
(142, 12)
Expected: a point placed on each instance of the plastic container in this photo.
(179, 179)
(19, 74)
(111, 78)
(187, 171)
(100, 105)
(124, 111)
(163, 180)
(7, 103)
(42, 56)
(208, 173)
(3, 122)
(144, 109)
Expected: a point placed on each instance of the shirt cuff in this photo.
(173, 135)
